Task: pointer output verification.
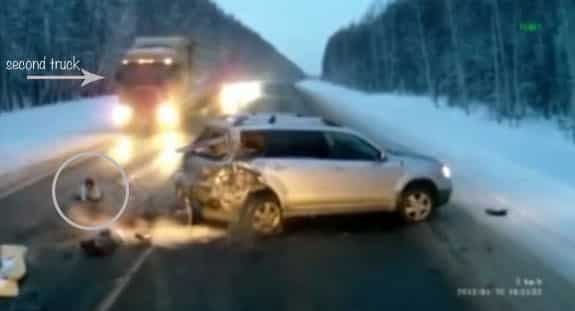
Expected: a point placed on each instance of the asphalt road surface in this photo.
(365, 262)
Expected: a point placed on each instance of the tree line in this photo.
(515, 56)
(98, 32)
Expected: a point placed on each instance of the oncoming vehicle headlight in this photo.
(234, 97)
(167, 114)
(446, 171)
(122, 114)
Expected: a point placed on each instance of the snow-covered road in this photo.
(526, 170)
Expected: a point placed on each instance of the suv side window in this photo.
(344, 146)
(286, 143)
(252, 144)
(296, 144)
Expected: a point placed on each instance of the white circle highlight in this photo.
(107, 224)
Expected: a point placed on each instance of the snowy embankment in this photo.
(34, 135)
(527, 170)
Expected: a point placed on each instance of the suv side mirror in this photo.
(382, 156)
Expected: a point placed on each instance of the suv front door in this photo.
(364, 179)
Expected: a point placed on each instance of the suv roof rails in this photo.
(239, 120)
(330, 122)
(273, 118)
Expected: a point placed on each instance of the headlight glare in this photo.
(446, 171)
(122, 115)
(167, 114)
(235, 96)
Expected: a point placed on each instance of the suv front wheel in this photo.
(262, 215)
(416, 204)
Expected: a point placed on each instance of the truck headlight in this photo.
(235, 96)
(167, 114)
(446, 171)
(122, 114)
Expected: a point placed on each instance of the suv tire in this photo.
(262, 215)
(416, 204)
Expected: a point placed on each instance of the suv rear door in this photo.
(295, 161)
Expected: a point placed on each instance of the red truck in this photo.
(154, 83)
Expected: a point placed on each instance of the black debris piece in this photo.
(101, 244)
(496, 211)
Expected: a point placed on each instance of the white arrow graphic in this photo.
(87, 76)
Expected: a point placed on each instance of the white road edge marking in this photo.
(25, 184)
(31, 181)
(109, 301)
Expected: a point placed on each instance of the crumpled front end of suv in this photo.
(221, 190)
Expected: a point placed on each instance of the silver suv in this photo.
(258, 170)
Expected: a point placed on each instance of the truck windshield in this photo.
(138, 74)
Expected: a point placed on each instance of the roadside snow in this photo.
(527, 169)
(30, 136)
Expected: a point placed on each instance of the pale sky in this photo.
(297, 28)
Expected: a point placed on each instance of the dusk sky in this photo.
(297, 28)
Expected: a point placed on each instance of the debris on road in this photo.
(496, 211)
(103, 243)
(12, 269)
(8, 288)
(143, 237)
(12, 262)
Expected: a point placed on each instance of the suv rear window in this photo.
(285, 144)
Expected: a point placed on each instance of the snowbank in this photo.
(527, 170)
(38, 134)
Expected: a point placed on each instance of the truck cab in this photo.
(154, 83)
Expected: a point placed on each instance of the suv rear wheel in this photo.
(416, 204)
(262, 215)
